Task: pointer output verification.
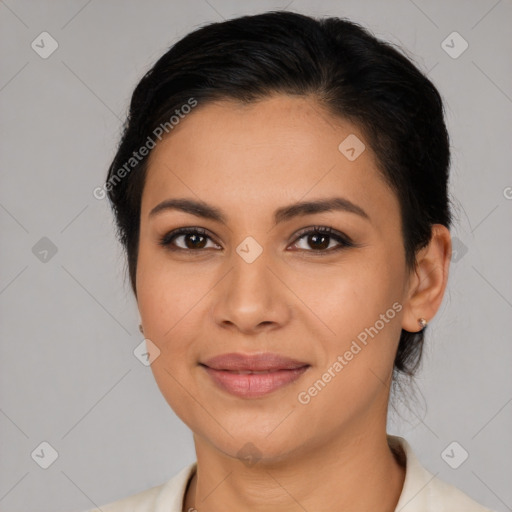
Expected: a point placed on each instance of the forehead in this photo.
(274, 151)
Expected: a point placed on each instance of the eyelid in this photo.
(324, 230)
(343, 240)
(165, 240)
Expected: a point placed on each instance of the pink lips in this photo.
(253, 376)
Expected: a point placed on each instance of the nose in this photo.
(252, 297)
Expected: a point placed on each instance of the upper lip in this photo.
(253, 362)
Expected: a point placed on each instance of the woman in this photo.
(280, 190)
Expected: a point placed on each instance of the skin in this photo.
(249, 160)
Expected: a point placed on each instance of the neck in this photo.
(352, 472)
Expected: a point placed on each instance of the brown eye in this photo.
(321, 239)
(193, 239)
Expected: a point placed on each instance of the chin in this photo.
(259, 450)
(251, 438)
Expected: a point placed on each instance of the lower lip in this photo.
(253, 385)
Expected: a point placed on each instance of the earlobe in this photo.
(428, 284)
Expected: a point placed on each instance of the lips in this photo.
(255, 375)
(253, 362)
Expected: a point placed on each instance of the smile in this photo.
(253, 376)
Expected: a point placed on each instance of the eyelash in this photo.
(345, 242)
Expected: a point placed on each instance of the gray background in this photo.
(69, 323)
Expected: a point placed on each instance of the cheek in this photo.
(168, 301)
(173, 303)
(362, 308)
(350, 297)
(166, 292)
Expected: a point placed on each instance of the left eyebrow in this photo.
(319, 206)
(207, 211)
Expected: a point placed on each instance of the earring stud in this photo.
(141, 329)
(422, 322)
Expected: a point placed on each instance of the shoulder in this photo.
(450, 498)
(424, 492)
(167, 497)
(141, 502)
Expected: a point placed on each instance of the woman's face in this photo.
(329, 314)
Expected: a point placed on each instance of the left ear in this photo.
(428, 282)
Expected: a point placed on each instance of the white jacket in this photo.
(421, 492)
